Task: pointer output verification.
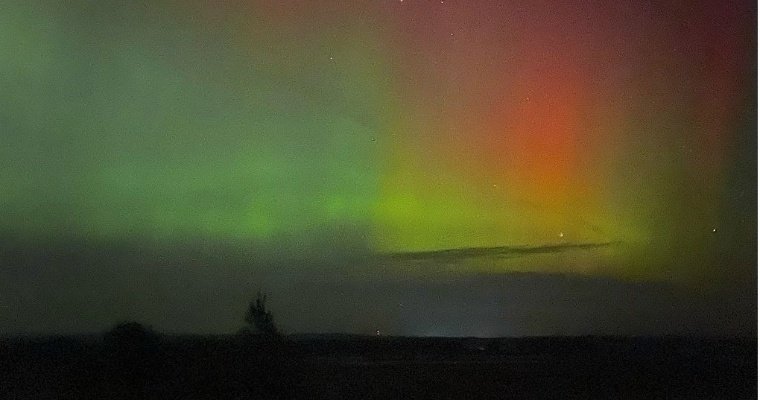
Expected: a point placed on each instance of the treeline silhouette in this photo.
(256, 363)
(133, 361)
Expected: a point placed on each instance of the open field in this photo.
(346, 366)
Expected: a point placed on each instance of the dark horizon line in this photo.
(333, 335)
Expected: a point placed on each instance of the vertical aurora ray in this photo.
(546, 123)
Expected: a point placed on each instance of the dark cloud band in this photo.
(495, 252)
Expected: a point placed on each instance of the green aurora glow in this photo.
(255, 121)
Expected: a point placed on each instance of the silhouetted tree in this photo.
(259, 318)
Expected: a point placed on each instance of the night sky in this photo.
(416, 167)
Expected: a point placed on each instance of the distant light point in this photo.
(714, 230)
(561, 234)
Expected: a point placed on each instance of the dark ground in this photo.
(358, 367)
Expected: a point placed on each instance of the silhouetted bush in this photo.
(133, 352)
(132, 334)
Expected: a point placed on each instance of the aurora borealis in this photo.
(351, 130)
